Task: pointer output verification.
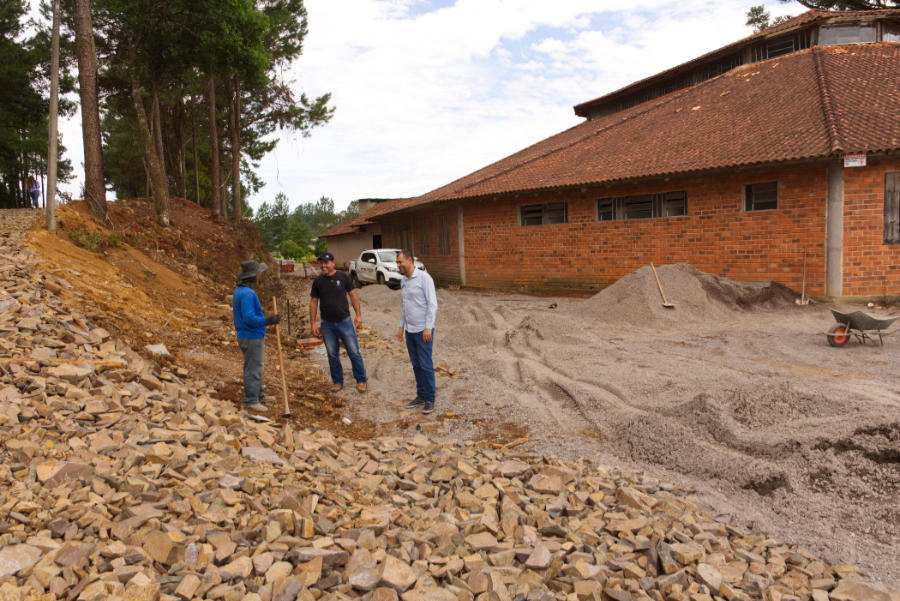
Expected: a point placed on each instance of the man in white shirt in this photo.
(417, 312)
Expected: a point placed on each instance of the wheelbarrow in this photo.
(864, 327)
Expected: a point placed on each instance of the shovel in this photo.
(665, 303)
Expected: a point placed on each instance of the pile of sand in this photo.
(747, 403)
(697, 296)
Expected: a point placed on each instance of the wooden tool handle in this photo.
(287, 410)
(659, 285)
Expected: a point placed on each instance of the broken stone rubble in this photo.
(123, 484)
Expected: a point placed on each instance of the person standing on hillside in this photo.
(332, 288)
(34, 192)
(250, 324)
(418, 309)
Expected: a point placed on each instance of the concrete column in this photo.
(834, 230)
(461, 244)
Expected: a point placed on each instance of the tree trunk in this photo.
(236, 207)
(214, 168)
(157, 175)
(94, 185)
(179, 130)
(223, 202)
(196, 159)
(157, 131)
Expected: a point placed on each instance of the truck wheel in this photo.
(355, 278)
(380, 278)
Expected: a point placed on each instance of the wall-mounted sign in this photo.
(855, 160)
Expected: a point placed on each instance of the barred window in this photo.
(642, 206)
(423, 237)
(543, 214)
(443, 235)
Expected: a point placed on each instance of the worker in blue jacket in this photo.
(250, 324)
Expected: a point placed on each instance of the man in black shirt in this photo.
(332, 288)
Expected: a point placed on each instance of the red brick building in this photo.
(740, 162)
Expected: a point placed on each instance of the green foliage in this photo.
(351, 211)
(94, 241)
(24, 105)
(283, 229)
(173, 47)
(759, 18)
(291, 250)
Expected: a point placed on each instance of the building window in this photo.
(856, 33)
(892, 207)
(761, 197)
(642, 206)
(890, 32)
(544, 214)
(782, 45)
(443, 233)
(423, 237)
(403, 238)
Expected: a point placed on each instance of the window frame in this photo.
(748, 203)
(615, 208)
(547, 209)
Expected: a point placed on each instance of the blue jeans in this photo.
(334, 333)
(423, 368)
(35, 198)
(253, 368)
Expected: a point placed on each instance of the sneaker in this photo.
(254, 407)
(427, 408)
(416, 402)
(361, 387)
(337, 387)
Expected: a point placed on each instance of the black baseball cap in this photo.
(326, 257)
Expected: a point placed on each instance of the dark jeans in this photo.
(423, 368)
(334, 333)
(253, 349)
(35, 198)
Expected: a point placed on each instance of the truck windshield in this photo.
(387, 256)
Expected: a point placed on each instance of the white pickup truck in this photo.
(378, 266)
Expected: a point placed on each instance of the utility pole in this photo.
(50, 203)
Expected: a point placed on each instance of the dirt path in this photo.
(734, 392)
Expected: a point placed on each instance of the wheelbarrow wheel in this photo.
(838, 335)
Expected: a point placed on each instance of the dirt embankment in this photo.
(148, 285)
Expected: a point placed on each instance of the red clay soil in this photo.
(147, 284)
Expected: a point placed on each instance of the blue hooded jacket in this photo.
(249, 320)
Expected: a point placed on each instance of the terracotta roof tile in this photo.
(801, 21)
(801, 106)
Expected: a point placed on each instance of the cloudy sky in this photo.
(427, 91)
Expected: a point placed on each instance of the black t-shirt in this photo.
(332, 290)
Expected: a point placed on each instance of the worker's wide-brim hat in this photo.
(251, 269)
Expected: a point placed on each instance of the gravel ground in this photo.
(734, 392)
